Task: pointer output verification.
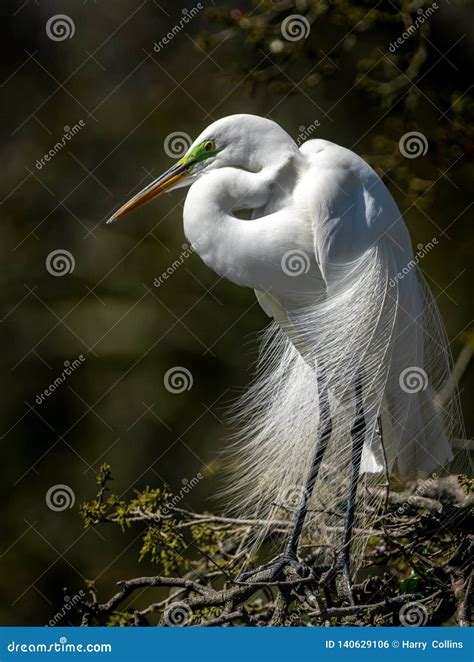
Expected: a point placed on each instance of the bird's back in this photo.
(347, 196)
(369, 323)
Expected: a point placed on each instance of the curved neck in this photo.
(209, 223)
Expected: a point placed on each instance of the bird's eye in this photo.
(209, 145)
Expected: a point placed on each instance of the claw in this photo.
(276, 568)
(340, 573)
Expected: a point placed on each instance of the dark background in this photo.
(115, 408)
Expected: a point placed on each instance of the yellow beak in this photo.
(163, 183)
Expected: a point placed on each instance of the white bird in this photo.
(351, 365)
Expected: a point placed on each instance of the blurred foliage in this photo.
(418, 561)
(355, 45)
(162, 540)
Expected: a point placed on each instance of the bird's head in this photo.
(241, 141)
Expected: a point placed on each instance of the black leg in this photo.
(358, 438)
(323, 435)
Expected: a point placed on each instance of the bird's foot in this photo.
(341, 576)
(275, 569)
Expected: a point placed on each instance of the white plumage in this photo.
(322, 251)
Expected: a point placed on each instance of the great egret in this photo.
(356, 346)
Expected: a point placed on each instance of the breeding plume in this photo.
(352, 361)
